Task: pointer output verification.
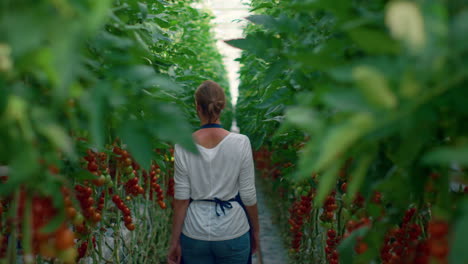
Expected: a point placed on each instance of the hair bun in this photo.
(211, 99)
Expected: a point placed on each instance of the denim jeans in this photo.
(232, 251)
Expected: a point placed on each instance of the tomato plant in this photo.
(94, 95)
(365, 110)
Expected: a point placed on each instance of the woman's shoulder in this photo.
(239, 137)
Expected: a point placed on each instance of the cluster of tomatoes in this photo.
(124, 162)
(329, 208)
(330, 249)
(402, 244)
(60, 244)
(132, 187)
(170, 188)
(83, 248)
(438, 239)
(97, 164)
(361, 246)
(299, 213)
(127, 216)
(55, 244)
(3, 238)
(101, 202)
(155, 187)
(84, 196)
(262, 159)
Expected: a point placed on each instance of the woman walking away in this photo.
(215, 202)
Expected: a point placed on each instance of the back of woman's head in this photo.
(211, 100)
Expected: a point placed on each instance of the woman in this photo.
(211, 189)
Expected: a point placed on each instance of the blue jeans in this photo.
(232, 251)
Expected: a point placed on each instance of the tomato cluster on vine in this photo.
(97, 164)
(127, 217)
(262, 159)
(155, 187)
(330, 249)
(49, 244)
(132, 187)
(403, 244)
(361, 246)
(170, 188)
(84, 196)
(329, 208)
(299, 213)
(438, 230)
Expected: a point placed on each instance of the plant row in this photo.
(90, 89)
(356, 110)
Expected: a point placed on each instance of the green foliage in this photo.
(79, 74)
(382, 82)
(100, 70)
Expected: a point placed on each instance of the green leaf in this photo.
(163, 82)
(143, 9)
(82, 175)
(243, 44)
(327, 182)
(373, 41)
(55, 223)
(346, 247)
(168, 123)
(138, 142)
(57, 136)
(273, 71)
(358, 176)
(339, 7)
(273, 100)
(340, 138)
(93, 103)
(374, 86)
(447, 155)
(345, 100)
(304, 118)
(267, 21)
(262, 5)
(316, 61)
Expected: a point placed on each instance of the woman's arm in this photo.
(180, 210)
(252, 212)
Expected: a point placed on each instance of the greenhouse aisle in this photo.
(272, 250)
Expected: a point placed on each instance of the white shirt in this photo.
(221, 172)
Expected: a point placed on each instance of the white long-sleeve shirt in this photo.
(221, 172)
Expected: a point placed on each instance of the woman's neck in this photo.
(204, 121)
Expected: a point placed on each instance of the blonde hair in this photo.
(211, 99)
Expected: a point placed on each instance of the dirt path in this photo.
(272, 250)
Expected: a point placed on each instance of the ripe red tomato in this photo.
(127, 219)
(71, 212)
(439, 248)
(97, 217)
(130, 226)
(64, 239)
(438, 228)
(92, 166)
(361, 247)
(162, 204)
(126, 211)
(116, 198)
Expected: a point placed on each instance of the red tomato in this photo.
(64, 239)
